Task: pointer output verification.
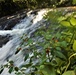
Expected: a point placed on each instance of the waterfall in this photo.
(26, 26)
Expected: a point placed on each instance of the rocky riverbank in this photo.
(7, 22)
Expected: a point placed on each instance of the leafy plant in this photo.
(53, 51)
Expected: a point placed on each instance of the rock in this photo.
(11, 24)
(8, 22)
(4, 39)
(35, 12)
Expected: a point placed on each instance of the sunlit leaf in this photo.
(68, 39)
(69, 73)
(73, 21)
(47, 69)
(61, 18)
(74, 2)
(74, 45)
(65, 23)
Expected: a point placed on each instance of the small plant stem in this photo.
(72, 37)
(49, 57)
(69, 61)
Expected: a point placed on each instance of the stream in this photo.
(27, 26)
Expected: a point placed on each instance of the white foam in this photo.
(26, 26)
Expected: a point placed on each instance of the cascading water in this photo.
(27, 26)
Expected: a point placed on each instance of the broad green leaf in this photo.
(60, 54)
(65, 23)
(69, 73)
(61, 18)
(47, 69)
(74, 45)
(58, 48)
(74, 2)
(63, 44)
(73, 21)
(59, 61)
(68, 39)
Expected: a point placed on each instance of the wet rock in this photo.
(35, 12)
(11, 24)
(4, 39)
(8, 22)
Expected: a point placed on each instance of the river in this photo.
(27, 26)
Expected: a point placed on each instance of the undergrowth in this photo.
(52, 47)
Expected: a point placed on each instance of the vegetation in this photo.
(55, 51)
(7, 7)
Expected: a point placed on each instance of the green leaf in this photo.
(47, 36)
(30, 41)
(65, 23)
(60, 54)
(58, 35)
(27, 55)
(73, 21)
(11, 62)
(47, 69)
(63, 44)
(27, 65)
(1, 70)
(46, 45)
(10, 69)
(16, 68)
(61, 18)
(74, 45)
(59, 62)
(74, 2)
(69, 73)
(58, 48)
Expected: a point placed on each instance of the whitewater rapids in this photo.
(26, 26)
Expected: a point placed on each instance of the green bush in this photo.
(57, 54)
